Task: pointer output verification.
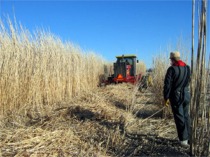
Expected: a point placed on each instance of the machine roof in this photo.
(126, 56)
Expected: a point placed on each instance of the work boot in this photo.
(184, 143)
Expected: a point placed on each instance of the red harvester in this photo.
(124, 70)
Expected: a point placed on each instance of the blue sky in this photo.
(109, 28)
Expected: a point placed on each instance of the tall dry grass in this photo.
(38, 69)
(160, 65)
(141, 68)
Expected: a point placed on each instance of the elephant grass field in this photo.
(51, 103)
(39, 69)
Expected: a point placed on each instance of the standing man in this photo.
(176, 90)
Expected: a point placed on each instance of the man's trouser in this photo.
(182, 119)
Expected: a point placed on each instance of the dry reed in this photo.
(39, 69)
(200, 143)
(160, 64)
(141, 68)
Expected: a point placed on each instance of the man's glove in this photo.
(167, 102)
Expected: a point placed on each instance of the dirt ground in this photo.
(115, 121)
(151, 135)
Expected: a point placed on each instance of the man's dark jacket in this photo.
(176, 83)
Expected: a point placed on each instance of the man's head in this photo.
(175, 56)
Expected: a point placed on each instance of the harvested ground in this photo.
(115, 120)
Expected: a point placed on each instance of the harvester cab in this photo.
(124, 70)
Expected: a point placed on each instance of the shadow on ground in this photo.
(82, 114)
(134, 144)
(120, 105)
(151, 145)
(147, 113)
